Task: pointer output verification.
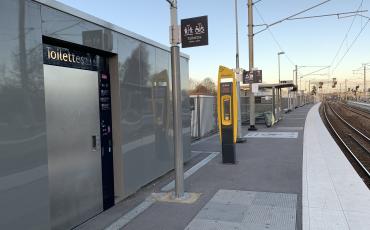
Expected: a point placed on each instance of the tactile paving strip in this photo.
(282, 135)
(234, 209)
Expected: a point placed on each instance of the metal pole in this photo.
(239, 128)
(296, 75)
(251, 66)
(177, 109)
(296, 83)
(279, 66)
(365, 83)
(279, 53)
(237, 35)
(345, 89)
(273, 103)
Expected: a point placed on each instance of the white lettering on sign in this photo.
(65, 56)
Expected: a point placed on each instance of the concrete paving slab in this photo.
(264, 211)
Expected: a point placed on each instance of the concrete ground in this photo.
(269, 165)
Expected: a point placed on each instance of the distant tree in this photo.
(192, 85)
(210, 85)
(205, 87)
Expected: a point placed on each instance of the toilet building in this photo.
(86, 114)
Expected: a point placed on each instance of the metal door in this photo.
(74, 157)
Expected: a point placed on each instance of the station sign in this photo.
(257, 76)
(254, 77)
(61, 56)
(194, 32)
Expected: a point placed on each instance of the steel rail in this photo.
(353, 128)
(345, 145)
(357, 111)
(359, 143)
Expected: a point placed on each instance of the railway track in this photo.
(357, 111)
(355, 141)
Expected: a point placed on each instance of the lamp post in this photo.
(280, 53)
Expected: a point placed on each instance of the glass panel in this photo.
(59, 25)
(131, 110)
(23, 156)
(186, 112)
(162, 120)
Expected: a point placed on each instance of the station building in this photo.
(86, 114)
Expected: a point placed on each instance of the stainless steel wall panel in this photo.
(72, 117)
(204, 121)
(24, 194)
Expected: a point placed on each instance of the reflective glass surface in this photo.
(186, 112)
(23, 157)
(59, 25)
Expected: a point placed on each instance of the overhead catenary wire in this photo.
(256, 2)
(345, 37)
(349, 48)
(316, 71)
(351, 14)
(291, 16)
(274, 38)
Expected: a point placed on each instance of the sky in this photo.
(312, 42)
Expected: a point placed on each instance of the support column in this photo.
(252, 105)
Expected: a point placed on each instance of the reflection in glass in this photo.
(23, 157)
(59, 25)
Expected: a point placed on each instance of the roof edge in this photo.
(90, 18)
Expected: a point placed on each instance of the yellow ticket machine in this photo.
(227, 113)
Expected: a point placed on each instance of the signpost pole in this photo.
(239, 138)
(296, 83)
(176, 96)
(251, 66)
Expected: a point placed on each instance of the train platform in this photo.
(334, 196)
(284, 179)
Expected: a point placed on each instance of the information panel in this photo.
(194, 32)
